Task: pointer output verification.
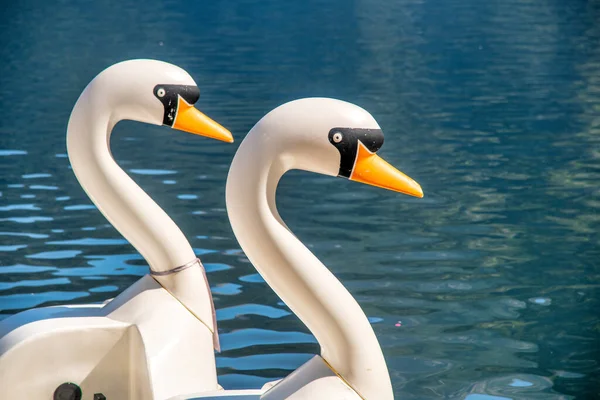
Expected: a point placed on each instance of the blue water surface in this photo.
(486, 289)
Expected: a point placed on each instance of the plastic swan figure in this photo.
(329, 137)
(155, 339)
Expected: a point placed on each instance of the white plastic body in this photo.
(115, 94)
(142, 345)
(313, 380)
(294, 136)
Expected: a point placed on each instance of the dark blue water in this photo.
(487, 289)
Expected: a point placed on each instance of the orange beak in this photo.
(190, 119)
(373, 170)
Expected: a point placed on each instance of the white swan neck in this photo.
(312, 292)
(126, 206)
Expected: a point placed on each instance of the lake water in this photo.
(486, 289)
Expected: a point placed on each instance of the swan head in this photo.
(158, 93)
(335, 138)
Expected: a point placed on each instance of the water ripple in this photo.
(12, 207)
(12, 152)
(55, 255)
(224, 314)
(89, 242)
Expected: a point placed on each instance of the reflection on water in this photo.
(485, 289)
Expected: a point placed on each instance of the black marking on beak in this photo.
(169, 97)
(346, 141)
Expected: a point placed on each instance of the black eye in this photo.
(346, 141)
(169, 96)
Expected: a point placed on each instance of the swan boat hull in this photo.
(144, 344)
